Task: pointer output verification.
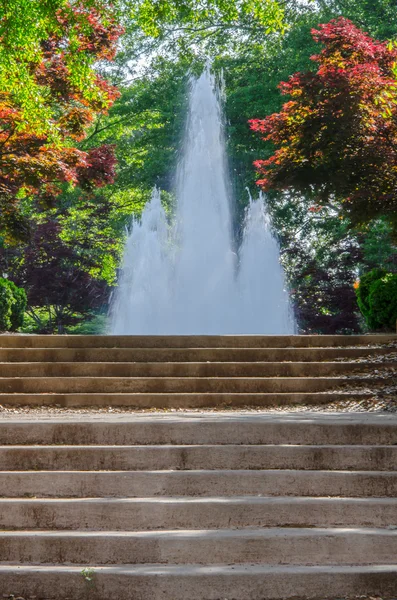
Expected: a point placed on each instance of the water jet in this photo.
(186, 277)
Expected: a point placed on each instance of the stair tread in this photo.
(359, 346)
(328, 393)
(99, 447)
(182, 418)
(197, 377)
(196, 582)
(118, 500)
(122, 513)
(245, 532)
(214, 569)
(204, 472)
(76, 341)
(198, 362)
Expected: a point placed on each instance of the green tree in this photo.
(377, 17)
(195, 29)
(145, 127)
(76, 35)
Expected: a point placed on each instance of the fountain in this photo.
(186, 277)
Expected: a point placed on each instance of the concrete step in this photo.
(191, 341)
(89, 484)
(195, 582)
(179, 400)
(179, 384)
(119, 458)
(301, 546)
(189, 369)
(147, 355)
(156, 513)
(205, 428)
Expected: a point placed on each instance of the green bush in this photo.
(383, 302)
(6, 303)
(18, 307)
(363, 291)
(377, 299)
(13, 302)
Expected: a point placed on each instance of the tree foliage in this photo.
(67, 133)
(32, 171)
(47, 53)
(338, 133)
(195, 29)
(377, 298)
(6, 302)
(363, 289)
(378, 17)
(56, 276)
(383, 302)
(145, 127)
(321, 257)
(157, 18)
(53, 71)
(18, 306)
(12, 305)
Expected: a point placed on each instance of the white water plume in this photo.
(186, 278)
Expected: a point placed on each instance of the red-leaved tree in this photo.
(337, 135)
(37, 157)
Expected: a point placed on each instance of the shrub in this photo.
(383, 302)
(18, 307)
(13, 302)
(363, 292)
(6, 303)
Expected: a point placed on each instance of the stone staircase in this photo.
(186, 371)
(199, 506)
